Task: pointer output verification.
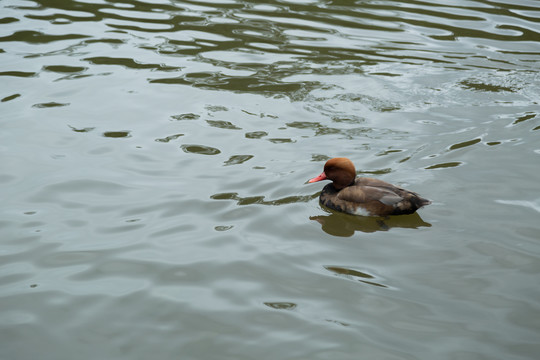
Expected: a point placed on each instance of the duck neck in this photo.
(342, 185)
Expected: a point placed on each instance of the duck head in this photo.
(340, 170)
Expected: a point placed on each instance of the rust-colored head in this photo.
(340, 170)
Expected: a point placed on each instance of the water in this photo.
(154, 159)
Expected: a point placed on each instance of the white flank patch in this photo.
(361, 211)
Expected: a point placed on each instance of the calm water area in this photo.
(154, 158)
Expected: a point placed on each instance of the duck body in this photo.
(362, 195)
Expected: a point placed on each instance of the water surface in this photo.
(154, 158)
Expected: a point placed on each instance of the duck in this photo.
(362, 195)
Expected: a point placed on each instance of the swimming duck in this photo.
(364, 196)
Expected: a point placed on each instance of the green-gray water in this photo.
(153, 165)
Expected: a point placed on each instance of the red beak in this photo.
(318, 178)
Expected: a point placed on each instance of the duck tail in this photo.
(420, 201)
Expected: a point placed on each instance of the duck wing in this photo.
(409, 196)
(361, 194)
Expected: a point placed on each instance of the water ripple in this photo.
(271, 42)
(111, 208)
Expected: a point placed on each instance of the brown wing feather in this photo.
(364, 181)
(364, 194)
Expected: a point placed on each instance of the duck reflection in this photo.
(339, 224)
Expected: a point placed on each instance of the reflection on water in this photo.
(261, 199)
(281, 305)
(153, 161)
(338, 224)
(274, 47)
(353, 274)
(116, 134)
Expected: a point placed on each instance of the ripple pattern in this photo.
(255, 47)
(154, 158)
